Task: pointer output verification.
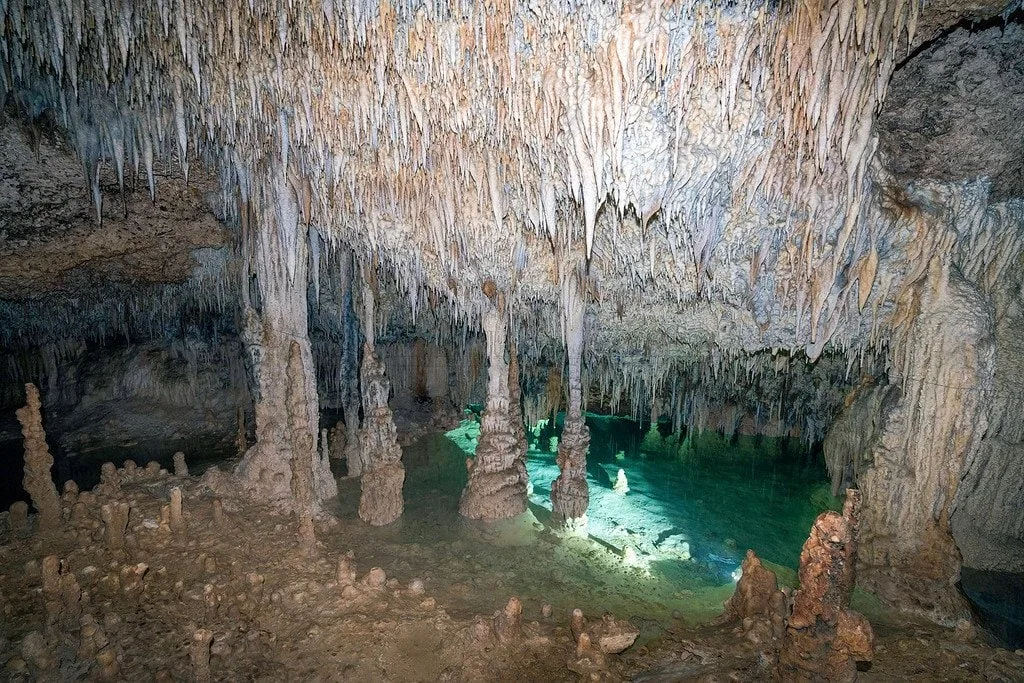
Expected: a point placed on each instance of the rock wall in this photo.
(927, 433)
(988, 524)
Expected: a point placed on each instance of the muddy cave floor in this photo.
(277, 614)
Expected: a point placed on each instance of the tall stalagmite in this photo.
(497, 479)
(569, 494)
(279, 257)
(943, 372)
(380, 500)
(38, 461)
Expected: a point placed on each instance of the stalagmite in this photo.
(380, 500)
(115, 520)
(497, 479)
(824, 638)
(177, 517)
(199, 655)
(280, 261)
(757, 603)
(38, 462)
(569, 494)
(304, 453)
(180, 466)
(17, 518)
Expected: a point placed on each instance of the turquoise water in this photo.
(695, 502)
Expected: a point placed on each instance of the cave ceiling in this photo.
(708, 170)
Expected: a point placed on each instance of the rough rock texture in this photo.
(952, 112)
(908, 556)
(987, 523)
(38, 462)
(497, 478)
(757, 597)
(266, 468)
(824, 639)
(569, 494)
(380, 500)
(305, 456)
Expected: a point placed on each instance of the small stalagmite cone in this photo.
(177, 521)
(199, 654)
(218, 513)
(17, 518)
(180, 466)
(577, 623)
(115, 520)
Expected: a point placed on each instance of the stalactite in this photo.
(497, 477)
(569, 494)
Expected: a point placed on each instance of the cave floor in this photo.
(276, 614)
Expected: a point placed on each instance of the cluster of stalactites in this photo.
(451, 140)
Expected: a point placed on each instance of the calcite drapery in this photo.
(497, 479)
(927, 430)
(569, 494)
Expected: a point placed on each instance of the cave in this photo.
(415, 341)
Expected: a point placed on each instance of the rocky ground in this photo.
(223, 592)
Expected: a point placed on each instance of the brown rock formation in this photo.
(757, 599)
(38, 462)
(825, 639)
(304, 454)
(497, 479)
(380, 501)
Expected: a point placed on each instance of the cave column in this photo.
(943, 376)
(569, 494)
(380, 500)
(497, 477)
(279, 258)
(350, 369)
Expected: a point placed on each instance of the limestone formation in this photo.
(38, 462)
(757, 601)
(304, 455)
(497, 479)
(115, 520)
(928, 430)
(180, 466)
(199, 655)
(176, 520)
(266, 468)
(825, 639)
(17, 518)
(508, 623)
(569, 494)
(383, 475)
